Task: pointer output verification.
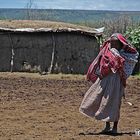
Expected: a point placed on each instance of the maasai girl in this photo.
(108, 72)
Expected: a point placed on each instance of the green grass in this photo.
(137, 75)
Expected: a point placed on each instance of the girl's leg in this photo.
(115, 126)
(107, 128)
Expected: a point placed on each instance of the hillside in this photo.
(71, 16)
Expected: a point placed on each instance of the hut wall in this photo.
(5, 53)
(74, 52)
(33, 51)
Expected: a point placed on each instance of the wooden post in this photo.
(53, 55)
(12, 53)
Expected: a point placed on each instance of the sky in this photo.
(121, 5)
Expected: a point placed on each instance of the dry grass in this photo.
(38, 76)
(38, 24)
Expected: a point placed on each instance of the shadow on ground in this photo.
(99, 133)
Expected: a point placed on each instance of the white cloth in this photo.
(103, 99)
(130, 61)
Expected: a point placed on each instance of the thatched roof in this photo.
(45, 26)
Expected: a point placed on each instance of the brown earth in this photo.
(34, 107)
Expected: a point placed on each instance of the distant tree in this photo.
(29, 7)
(119, 24)
(33, 13)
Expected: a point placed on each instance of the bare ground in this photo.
(34, 107)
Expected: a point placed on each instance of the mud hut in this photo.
(38, 46)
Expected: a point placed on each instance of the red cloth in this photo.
(110, 62)
(126, 46)
(107, 62)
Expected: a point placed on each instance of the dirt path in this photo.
(45, 108)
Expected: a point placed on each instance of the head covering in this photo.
(115, 62)
(126, 46)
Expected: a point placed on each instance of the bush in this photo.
(133, 35)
